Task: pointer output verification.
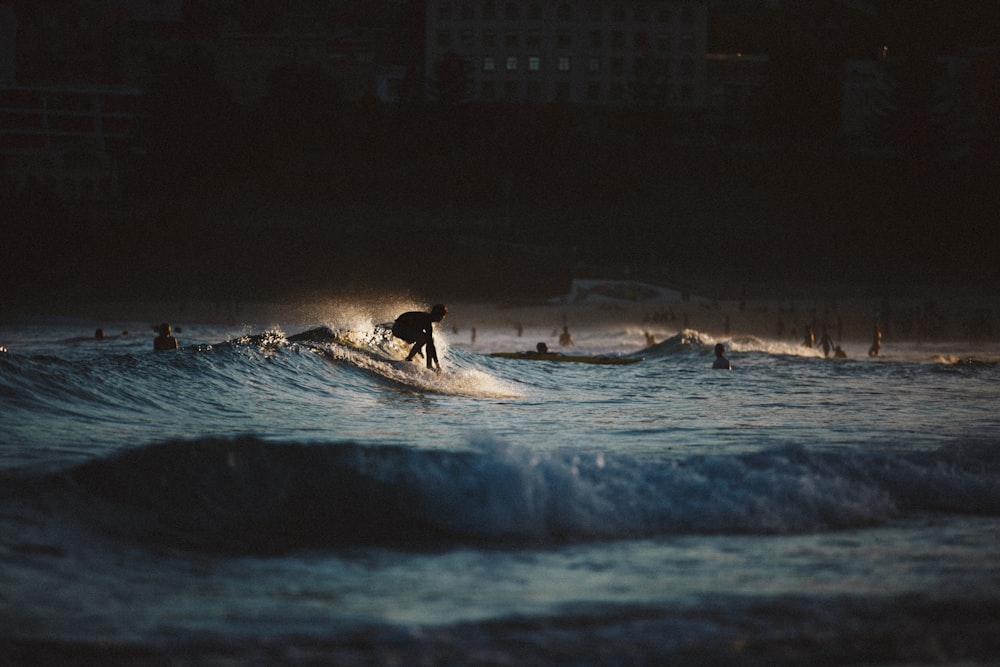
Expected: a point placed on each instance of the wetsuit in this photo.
(417, 327)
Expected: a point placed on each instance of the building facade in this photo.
(597, 52)
(65, 142)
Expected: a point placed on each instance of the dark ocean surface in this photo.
(264, 497)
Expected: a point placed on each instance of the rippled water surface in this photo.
(277, 498)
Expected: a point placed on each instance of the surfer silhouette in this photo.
(417, 327)
(165, 341)
(720, 358)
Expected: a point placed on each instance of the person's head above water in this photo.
(541, 348)
(438, 312)
(720, 349)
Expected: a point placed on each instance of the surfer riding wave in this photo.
(417, 327)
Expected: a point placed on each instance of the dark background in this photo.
(302, 192)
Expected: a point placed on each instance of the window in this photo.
(618, 12)
(511, 39)
(489, 38)
(596, 39)
(489, 10)
(511, 13)
(489, 64)
(641, 40)
(565, 11)
(564, 63)
(467, 38)
(444, 10)
(510, 90)
(618, 39)
(467, 11)
(534, 63)
(534, 11)
(511, 63)
(593, 65)
(533, 39)
(564, 40)
(444, 39)
(663, 15)
(489, 90)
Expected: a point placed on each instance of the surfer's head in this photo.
(438, 312)
(720, 349)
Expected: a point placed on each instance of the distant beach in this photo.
(777, 312)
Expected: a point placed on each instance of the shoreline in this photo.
(769, 311)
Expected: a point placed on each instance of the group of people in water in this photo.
(827, 345)
(825, 342)
(417, 328)
(163, 341)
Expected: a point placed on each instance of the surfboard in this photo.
(575, 358)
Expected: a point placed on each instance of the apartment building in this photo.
(596, 52)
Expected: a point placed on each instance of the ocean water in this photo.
(294, 493)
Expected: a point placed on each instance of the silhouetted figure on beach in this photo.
(417, 327)
(99, 334)
(876, 347)
(838, 353)
(566, 338)
(165, 341)
(809, 340)
(720, 358)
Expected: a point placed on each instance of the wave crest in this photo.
(248, 495)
